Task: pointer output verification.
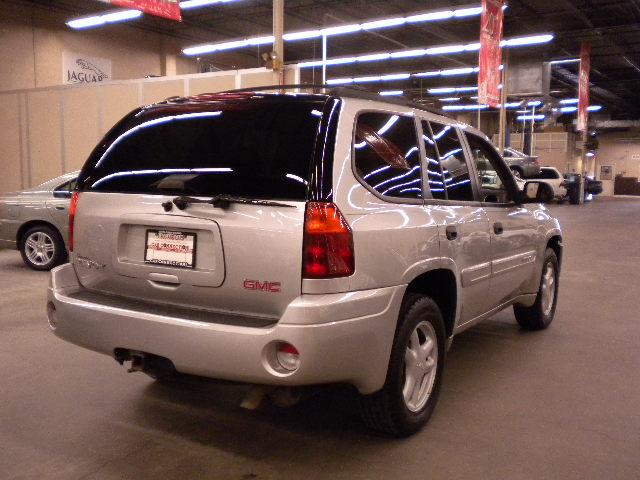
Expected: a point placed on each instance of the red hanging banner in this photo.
(160, 8)
(489, 76)
(583, 87)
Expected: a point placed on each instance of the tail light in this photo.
(328, 243)
(72, 217)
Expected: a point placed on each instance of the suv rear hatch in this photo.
(131, 240)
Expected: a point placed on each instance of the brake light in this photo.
(72, 217)
(328, 243)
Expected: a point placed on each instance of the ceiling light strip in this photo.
(341, 29)
(444, 50)
(124, 15)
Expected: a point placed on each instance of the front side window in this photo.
(490, 178)
(386, 154)
(452, 160)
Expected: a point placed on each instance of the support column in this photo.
(278, 42)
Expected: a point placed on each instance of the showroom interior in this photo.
(551, 84)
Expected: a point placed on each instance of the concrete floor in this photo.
(558, 404)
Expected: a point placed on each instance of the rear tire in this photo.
(410, 393)
(541, 313)
(42, 248)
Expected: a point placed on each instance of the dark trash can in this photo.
(572, 183)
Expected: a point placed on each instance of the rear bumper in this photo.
(344, 337)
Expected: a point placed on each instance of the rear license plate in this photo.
(170, 248)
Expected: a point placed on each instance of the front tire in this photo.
(541, 313)
(42, 248)
(414, 376)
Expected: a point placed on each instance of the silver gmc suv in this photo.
(298, 239)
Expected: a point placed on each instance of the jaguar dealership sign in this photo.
(84, 69)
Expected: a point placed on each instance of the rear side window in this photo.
(386, 154)
(548, 174)
(452, 161)
(255, 149)
(432, 162)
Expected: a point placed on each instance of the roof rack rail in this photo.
(352, 91)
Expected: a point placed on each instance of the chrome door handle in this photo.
(452, 232)
(60, 207)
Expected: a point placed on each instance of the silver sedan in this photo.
(35, 221)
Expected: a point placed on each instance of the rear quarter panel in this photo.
(394, 242)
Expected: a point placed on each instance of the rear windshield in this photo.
(256, 149)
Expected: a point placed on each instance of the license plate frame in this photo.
(170, 255)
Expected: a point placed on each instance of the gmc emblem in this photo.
(271, 287)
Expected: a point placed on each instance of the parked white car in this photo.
(553, 177)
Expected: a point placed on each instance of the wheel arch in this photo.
(555, 244)
(441, 286)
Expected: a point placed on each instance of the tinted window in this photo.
(257, 149)
(435, 174)
(490, 177)
(548, 174)
(67, 186)
(454, 166)
(386, 153)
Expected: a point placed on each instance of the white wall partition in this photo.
(45, 132)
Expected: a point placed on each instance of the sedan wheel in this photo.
(39, 248)
(42, 248)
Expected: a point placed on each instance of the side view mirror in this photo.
(62, 194)
(536, 192)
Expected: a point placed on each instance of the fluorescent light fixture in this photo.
(187, 4)
(391, 93)
(395, 22)
(590, 154)
(124, 15)
(594, 108)
(97, 20)
(450, 99)
(530, 40)
(341, 29)
(443, 50)
(467, 12)
(524, 118)
(464, 107)
(351, 28)
(591, 108)
(566, 60)
(369, 79)
(569, 101)
(441, 90)
(534, 103)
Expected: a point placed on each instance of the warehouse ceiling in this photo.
(612, 27)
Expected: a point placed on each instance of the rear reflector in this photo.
(328, 243)
(288, 357)
(72, 217)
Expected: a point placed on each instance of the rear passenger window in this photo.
(452, 161)
(386, 154)
(432, 162)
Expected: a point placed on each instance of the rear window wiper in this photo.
(223, 201)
